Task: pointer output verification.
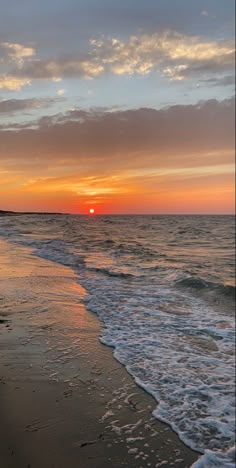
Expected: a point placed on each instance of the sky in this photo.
(121, 106)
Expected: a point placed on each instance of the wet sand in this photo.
(64, 400)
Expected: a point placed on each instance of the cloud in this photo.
(9, 106)
(62, 67)
(174, 55)
(13, 54)
(13, 83)
(202, 70)
(176, 72)
(204, 13)
(227, 80)
(144, 53)
(60, 92)
(18, 53)
(102, 142)
(56, 79)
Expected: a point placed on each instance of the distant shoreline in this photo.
(13, 213)
(18, 213)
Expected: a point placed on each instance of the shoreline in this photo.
(65, 400)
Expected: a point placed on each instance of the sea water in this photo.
(163, 286)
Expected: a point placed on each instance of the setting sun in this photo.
(91, 211)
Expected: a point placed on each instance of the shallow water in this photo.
(164, 288)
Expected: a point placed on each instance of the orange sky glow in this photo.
(198, 193)
(138, 119)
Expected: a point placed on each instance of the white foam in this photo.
(133, 450)
(107, 415)
(184, 361)
(132, 440)
(216, 460)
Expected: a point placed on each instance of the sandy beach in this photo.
(64, 400)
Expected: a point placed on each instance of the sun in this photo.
(91, 211)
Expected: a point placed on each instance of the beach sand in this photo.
(65, 402)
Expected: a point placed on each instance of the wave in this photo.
(112, 273)
(199, 283)
(137, 249)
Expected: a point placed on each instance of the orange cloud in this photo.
(13, 83)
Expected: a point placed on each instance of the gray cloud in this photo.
(227, 80)
(102, 141)
(9, 106)
(66, 67)
(208, 67)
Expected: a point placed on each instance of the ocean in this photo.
(164, 289)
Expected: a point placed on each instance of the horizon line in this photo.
(115, 214)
